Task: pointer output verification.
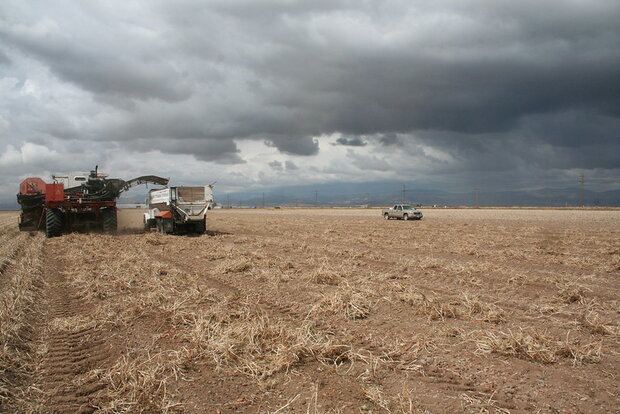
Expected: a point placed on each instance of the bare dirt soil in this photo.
(316, 311)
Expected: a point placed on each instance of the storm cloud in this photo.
(351, 142)
(446, 90)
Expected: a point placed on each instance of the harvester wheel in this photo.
(53, 222)
(148, 225)
(108, 218)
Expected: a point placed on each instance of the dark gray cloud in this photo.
(276, 165)
(294, 145)
(105, 63)
(468, 88)
(351, 142)
(290, 165)
(218, 151)
(389, 139)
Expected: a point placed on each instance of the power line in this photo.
(395, 195)
(582, 181)
(386, 194)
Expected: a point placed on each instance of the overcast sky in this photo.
(252, 94)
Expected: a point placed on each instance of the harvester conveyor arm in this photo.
(143, 180)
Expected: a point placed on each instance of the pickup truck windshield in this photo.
(408, 208)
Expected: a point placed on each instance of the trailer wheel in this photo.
(53, 222)
(201, 227)
(109, 220)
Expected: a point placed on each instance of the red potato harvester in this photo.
(74, 201)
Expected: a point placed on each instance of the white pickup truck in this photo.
(402, 211)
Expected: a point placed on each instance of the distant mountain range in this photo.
(386, 193)
(381, 194)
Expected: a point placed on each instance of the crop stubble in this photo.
(328, 311)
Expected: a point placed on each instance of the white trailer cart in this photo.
(179, 209)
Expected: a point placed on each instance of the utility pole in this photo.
(476, 199)
(228, 200)
(582, 181)
(316, 198)
(263, 200)
(404, 194)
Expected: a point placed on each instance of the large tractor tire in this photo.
(53, 222)
(109, 221)
(164, 226)
(149, 224)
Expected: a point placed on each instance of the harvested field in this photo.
(317, 311)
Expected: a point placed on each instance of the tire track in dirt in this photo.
(72, 351)
(8, 260)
